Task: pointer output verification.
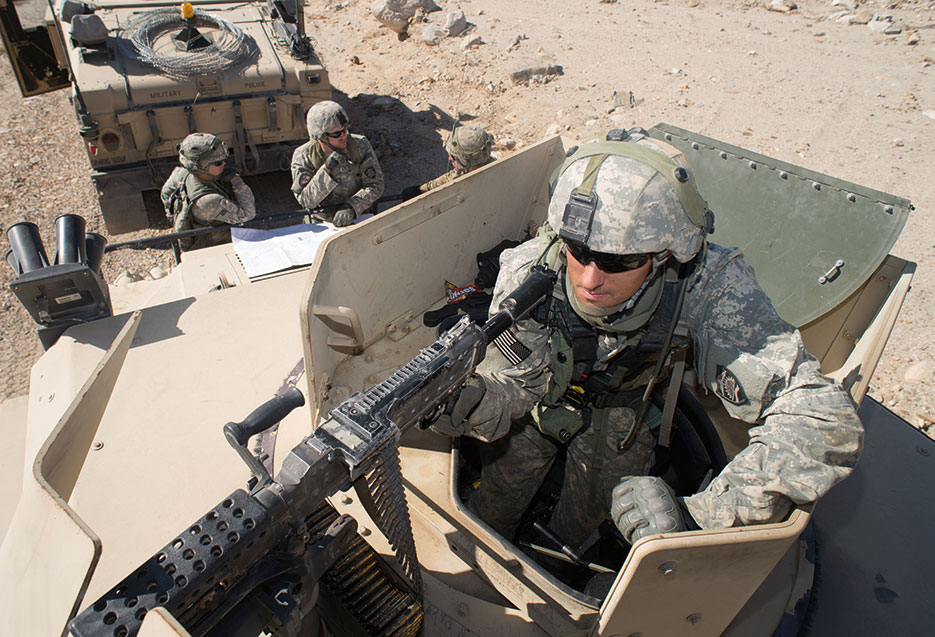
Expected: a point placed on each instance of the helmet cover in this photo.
(637, 210)
(325, 117)
(200, 150)
(470, 145)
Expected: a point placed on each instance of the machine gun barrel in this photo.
(248, 539)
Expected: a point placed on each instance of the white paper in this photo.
(266, 251)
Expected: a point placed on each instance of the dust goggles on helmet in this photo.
(610, 263)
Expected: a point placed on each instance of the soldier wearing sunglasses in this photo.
(206, 191)
(335, 167)
(639, 289)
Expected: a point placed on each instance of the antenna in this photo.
(454, 125)
(458, 102)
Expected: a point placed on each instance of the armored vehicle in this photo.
(143, 75)
(132, 516)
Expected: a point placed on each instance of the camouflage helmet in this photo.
(629, 197)
(199, 150)
(325, 117)
(470, 145)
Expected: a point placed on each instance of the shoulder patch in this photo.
(370, 172)
(304, 179)
(511, 348)
(729, 388)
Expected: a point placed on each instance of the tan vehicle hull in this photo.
(124, 445)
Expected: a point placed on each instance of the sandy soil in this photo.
(798, 85)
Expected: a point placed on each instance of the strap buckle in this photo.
(578, 216)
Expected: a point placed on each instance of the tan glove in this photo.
(645, 505)
(344, 217)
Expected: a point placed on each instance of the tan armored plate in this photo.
(141, 398)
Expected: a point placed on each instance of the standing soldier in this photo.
(626, 233)
(204, 191)
(468, 149)
(335, 167)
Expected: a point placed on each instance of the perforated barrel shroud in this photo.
(184, 570)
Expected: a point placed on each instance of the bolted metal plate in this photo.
(812, 239)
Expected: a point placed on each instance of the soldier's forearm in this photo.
(364, 198)
(245, 199)
(810, 440)
(314, 192)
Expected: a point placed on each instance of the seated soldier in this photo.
(205, 191)
(468, 149)
(626, 234)
(335, 168)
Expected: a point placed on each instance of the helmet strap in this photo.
(582, 203)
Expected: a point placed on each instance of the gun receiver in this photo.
(259, 545)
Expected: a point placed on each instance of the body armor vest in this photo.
(196, 188)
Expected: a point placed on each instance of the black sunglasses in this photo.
(337, 133)
(612, 263)
(219, 162)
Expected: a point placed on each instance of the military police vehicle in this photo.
(141, 498)
(143, 75)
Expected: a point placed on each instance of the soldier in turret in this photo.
(206, 191)
(626, 233)
(335, 168)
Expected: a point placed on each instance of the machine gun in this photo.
(255, 560)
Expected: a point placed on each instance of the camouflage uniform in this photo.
(224, 200)
(449, 176)
(358, 182)
(805, 437)
(470, 146)
(193, 199)
(350, 176)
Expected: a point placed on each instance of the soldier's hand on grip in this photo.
(645, 505)
(344, 217)
(456, 423)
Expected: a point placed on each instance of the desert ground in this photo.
(833, 86)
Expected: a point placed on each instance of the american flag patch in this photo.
(511, 348)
